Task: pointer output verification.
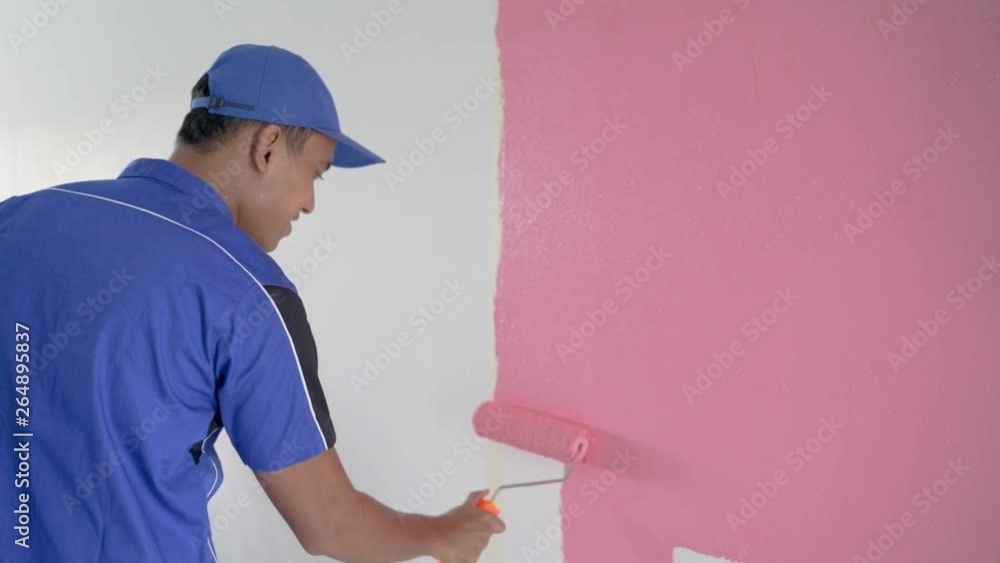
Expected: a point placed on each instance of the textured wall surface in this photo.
(754, 245)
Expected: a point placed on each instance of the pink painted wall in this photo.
(844, 441)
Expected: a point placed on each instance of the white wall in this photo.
(396, 247)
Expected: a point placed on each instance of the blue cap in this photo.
(273, 85)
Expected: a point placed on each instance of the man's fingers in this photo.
(488, 523)
(496, 524)
(475, 496)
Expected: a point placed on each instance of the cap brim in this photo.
(350, 153)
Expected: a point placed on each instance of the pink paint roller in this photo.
(534, 432)
(531, 431)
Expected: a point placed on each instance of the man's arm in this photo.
(271, 396)
(332, 518)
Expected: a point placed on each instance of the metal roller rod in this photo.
(569, 471)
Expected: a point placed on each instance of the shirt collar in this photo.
(179, 178)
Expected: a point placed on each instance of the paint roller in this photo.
(530, 431)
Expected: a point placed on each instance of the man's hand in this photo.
(465, 531)
(331, 518)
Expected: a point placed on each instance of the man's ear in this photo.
(263, 145)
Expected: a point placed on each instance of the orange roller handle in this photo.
(487, 505)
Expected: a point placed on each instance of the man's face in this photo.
(282, 189)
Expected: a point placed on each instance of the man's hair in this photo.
(207, 132)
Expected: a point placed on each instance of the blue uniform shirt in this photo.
(137, 321)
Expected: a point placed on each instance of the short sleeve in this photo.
(270, 397)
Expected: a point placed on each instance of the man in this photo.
(140, 316)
